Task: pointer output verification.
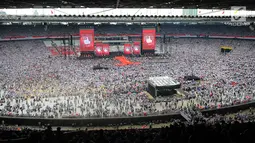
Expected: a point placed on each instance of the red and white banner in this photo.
(136, 48)
(106, 49)
(87, 40)
(149, 39)
(99, 49)
(127, 49)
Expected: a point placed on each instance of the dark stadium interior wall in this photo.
(38, 30)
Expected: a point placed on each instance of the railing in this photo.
(30, 121)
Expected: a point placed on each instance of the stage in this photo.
(162, 86)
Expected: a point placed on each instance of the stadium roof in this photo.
(218, 4)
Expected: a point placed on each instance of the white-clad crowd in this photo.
(36, 84)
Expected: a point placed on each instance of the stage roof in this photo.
(162, 81)
(218, 4)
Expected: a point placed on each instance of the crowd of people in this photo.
(229, 128)
(35, 84)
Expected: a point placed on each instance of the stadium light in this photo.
(7, 23)
(113, 23)
(97, 23)
(64, 23)
(251, 26)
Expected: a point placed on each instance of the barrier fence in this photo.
(30, 121)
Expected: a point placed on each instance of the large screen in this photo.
(149, 39)
(87, 40)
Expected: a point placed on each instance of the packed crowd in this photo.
(236, 128)
(35, 84)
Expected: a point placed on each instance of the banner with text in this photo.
(127, 49)
(149, 39)
(136, 48)
(87, 40)
(106, 49)
(99, 49)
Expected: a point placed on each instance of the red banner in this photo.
(99, 49)
(149, 39)
(136, 48)
(127, 49)
(106, 49)
(87, 40)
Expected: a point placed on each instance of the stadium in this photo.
(127, 71)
